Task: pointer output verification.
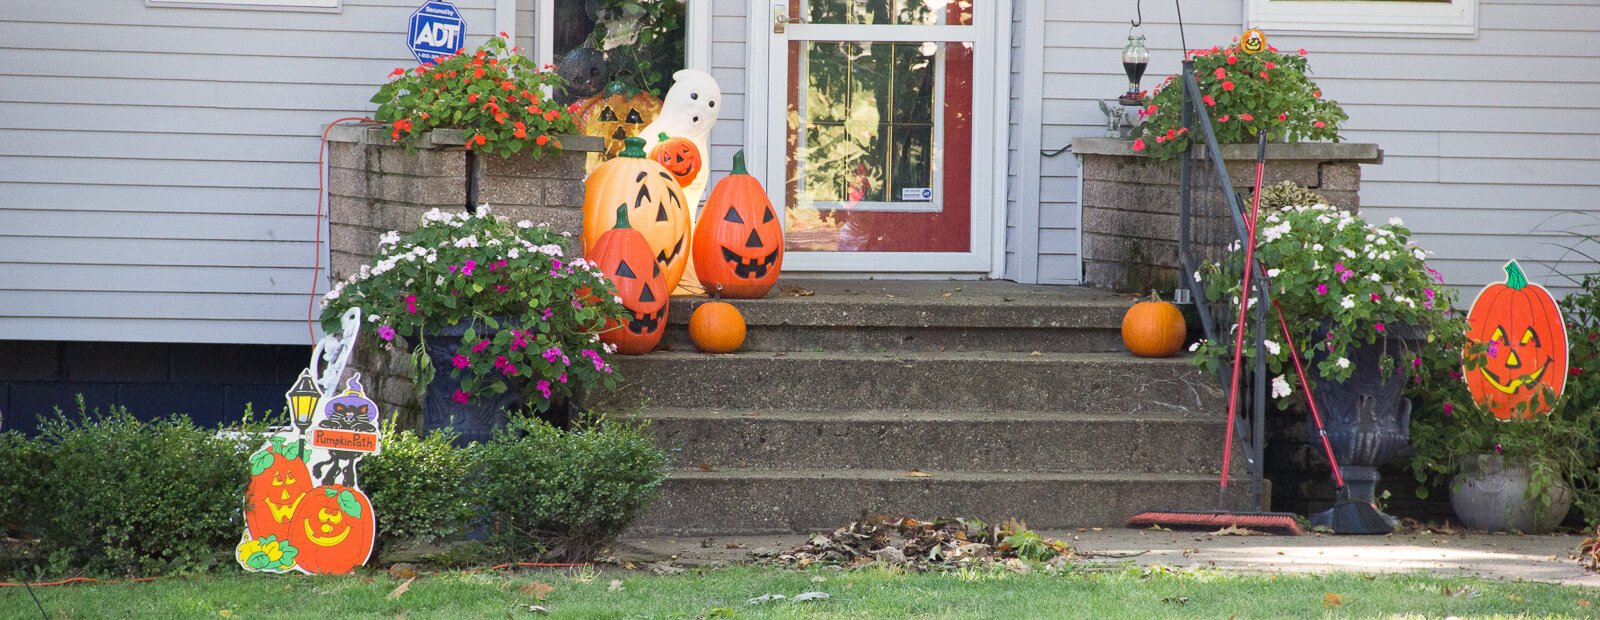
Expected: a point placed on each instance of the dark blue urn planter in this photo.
(1367, 415)
(477, 419)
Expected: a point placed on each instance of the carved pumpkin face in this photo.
(680, 157)
(738, 242)
(1521, 324)
(278, 480)
(615, 115)
(656, 208)
(624, 256)
(333, 528)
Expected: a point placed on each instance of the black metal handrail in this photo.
(1197, 120)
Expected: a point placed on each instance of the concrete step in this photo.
(726, 502)
(843, 315)
(939, 440)
(972, 381)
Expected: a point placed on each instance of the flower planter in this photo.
(1488, 495)
(476, 419)
(1367, 416)
(1130, 203)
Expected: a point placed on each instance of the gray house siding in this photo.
(157, 164)
(1490, 141)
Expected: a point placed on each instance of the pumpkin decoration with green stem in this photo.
(738, 242)
(1521, 326)
(679, 156)
(278, 479)
(1154, 328)
(333, 529)
(656, 208)
(624, 257)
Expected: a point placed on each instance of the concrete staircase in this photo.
(983, 399)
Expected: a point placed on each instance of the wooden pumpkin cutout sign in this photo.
(624, 257)
(656, 208)
(279, 478)
(738, 242)
(1521, 324)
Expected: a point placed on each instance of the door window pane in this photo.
(885, 12)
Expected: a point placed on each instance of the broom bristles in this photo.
(1349, 516)
(1277, 522)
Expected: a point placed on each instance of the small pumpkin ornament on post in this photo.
(1154, 328)
(656, 208)
(738, 242)
(623, 256)
(717, 327)
(680, 157)
(1521, 324)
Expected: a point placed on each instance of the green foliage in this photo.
(127, 497)
(494, 94)
(648, 41)
(1280, 196)
(1244, 94)
(564, 494)
(479, 269)
(1332, 270)
(22, 466)
(418, 486)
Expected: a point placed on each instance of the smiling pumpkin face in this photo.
(333, 529)
(278, 481)
(738, 242)
(624, 257)
(1527, 340)
(656, 208)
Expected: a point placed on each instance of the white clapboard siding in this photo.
(1487, 138)
(157, 164)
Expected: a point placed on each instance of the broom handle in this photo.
(1239, 325)
(1305, 387)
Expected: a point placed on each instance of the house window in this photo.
(1430, 17)
(599, 42)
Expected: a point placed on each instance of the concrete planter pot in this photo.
(477, 419)
(1489, 495)
(1130, 203)
(375, 186)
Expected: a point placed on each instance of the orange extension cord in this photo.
(316, 247)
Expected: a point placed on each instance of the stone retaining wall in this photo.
(375, 186)
(1130, 202)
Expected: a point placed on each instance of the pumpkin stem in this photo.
(738, 163)
(635, 147)
(1515, 279)
(663, 137)
(1154, 296)
(622, 216)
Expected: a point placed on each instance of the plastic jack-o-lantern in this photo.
(333, 528)
(679, 156)
(624, 257)
(615, 115)
(738, 242)
(1527, 340)
(656, 208)
(278, 480)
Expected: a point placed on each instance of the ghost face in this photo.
(693, 103)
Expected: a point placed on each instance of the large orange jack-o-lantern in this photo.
(277, 482)
(1521, 324)
(624, 256)
(738, 242)
(679, 156)
(333, 528)
(656, 208)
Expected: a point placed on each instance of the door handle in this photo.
(781, 19)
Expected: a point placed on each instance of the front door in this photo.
(880, 133)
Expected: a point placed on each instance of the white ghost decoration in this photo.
(689, 111)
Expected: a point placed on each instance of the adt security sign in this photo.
(437, 29)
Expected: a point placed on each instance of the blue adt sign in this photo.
(437, 29)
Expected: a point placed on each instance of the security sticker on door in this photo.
(916, 194)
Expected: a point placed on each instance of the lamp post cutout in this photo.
(303, 403)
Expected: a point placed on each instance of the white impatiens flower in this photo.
(1348, 302)
(1395, 221)
(1196, 346)
(1272, 347)
(1375, 278)
(373, 318)
(1280, 387)
(1349, 253)
(433, 215)
(513, 253)
(1316, 247)
(524, 224)
(1343, 362)
(389, 238)
(1419, 254)
(1197, 276)
(483, 210)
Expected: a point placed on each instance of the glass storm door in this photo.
(878, 113)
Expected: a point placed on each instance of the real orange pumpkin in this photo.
(277, 483)
(1522, 324)
(333, 528)
(624, 257)
(717, 327)
(1154, 328)
(656, 207)
(738, 242)
(679, 156)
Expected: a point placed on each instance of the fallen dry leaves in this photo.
(536, 589)
(1331, 600)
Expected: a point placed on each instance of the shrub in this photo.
(418, 486)
(21, 466)
(565, 494)
(128, 497)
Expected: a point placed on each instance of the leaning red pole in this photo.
(1239, 326)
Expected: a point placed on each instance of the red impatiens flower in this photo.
(1227, 85)
(1302, 51)
(398, 71)
(1138, 145)
(472, 98)
(541, 140)
(1224, 118)
(1209, 101)
(1319, 124)
(1246, 117)
(481, 139)
(1283, 117)
(1233, 59)
(1221, 73)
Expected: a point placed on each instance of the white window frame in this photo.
(290, 5)
(1455, 18)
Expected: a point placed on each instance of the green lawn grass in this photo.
(1107, 593)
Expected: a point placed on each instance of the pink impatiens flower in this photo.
(460, 361)
(461, 397)
(411, 304)
(544, 387)
(482, 344)
(385, 332)
(1449, 408)
(466, 269)
(1322, 289)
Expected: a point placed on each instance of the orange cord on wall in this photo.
(316, 246)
